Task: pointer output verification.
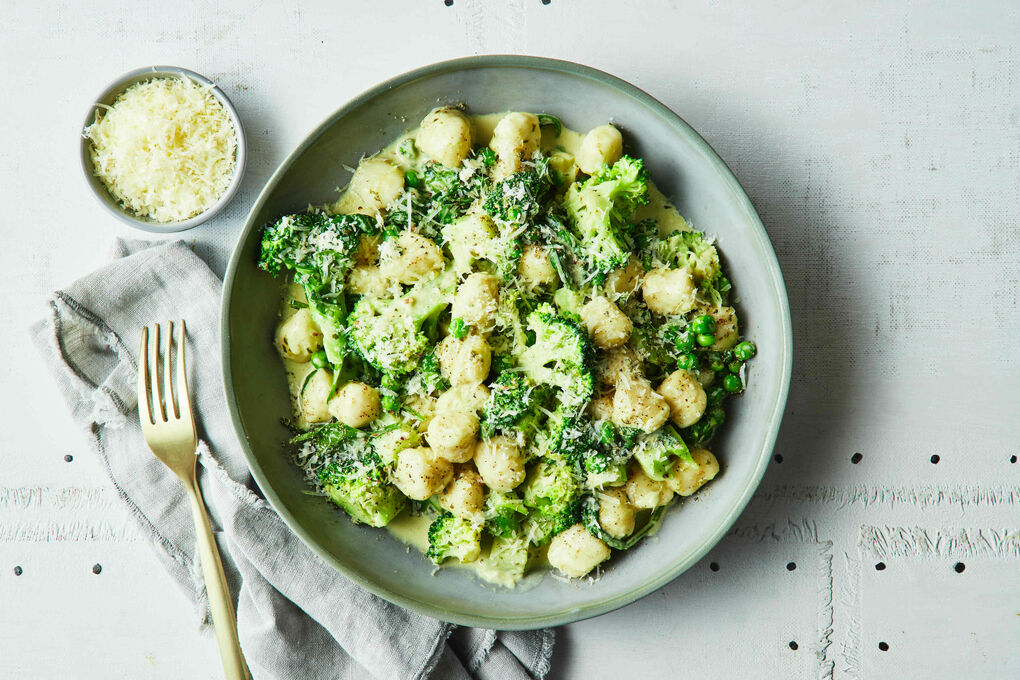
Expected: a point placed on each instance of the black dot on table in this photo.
(856, 458)
(880, 566)
(884, 646)
(18, 571)
(959, 567)
(935, 459)
(714, 566)
(1012, 459)
(97, 568)
(793, 645)
(68, 458)
(790, 566)
(778, 458)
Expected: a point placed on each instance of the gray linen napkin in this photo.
(297, 617)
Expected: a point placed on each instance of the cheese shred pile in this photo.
(165, 149)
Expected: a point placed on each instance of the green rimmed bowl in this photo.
(682, 164)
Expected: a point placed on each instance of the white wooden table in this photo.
(879, 141)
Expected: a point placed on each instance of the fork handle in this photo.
(224, 620)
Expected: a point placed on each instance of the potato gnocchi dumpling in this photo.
(503, 342)
(299, 337)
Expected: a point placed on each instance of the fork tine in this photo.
(144, 411)
(158, 410)
(172, 411)
(183, 395)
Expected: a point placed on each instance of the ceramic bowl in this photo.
(111, 204)
(682, 164)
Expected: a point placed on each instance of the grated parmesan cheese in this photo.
(165, 149)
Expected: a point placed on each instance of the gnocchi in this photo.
(575, 552)
(515, 139)
(445, 136)
(601, 146)
(686, 398)
(355, 405)
(374, 185)
(419, 474)
(298, 337)
(500, 462)
(464, 362)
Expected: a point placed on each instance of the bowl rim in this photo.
(669, 572)
(114, 90)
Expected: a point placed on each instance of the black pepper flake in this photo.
(790, 566)
(880, 566)
(959, 567)
(884, 646)
(778, 458)
(935, 459)
(1012, 459)
(793, 645)
(68, 458)
(18, 571)
(856, 458)
(97, 568)
(714, 566)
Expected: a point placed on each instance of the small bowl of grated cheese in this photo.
(163, 149)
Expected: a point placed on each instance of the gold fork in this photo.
(169, 429)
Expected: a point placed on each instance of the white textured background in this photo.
(880, 142)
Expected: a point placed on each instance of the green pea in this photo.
(703, 325)
(459, 329)
(411, 179)
(745, 350)
(319, 359)
(734, 366)
(706, 339)
(715, 361)
(687, 362)
(716, 395)
(732, 383)
(684, 342)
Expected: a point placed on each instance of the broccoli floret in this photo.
(560, 357)
(551, 487)
(451, 536)
(318, 249)
(511, 336)
(517, 199)
(390, 334)
(692, 249)
(599, 210)
(434, 197)
(540, 528)
(353, 475)
(358, 485)
(655, 451)
(427, 379)
(474, 239)
(596, 459)
(508, 556)
(589, 511)
(504, 512)
(514, 403)
(447, 193)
